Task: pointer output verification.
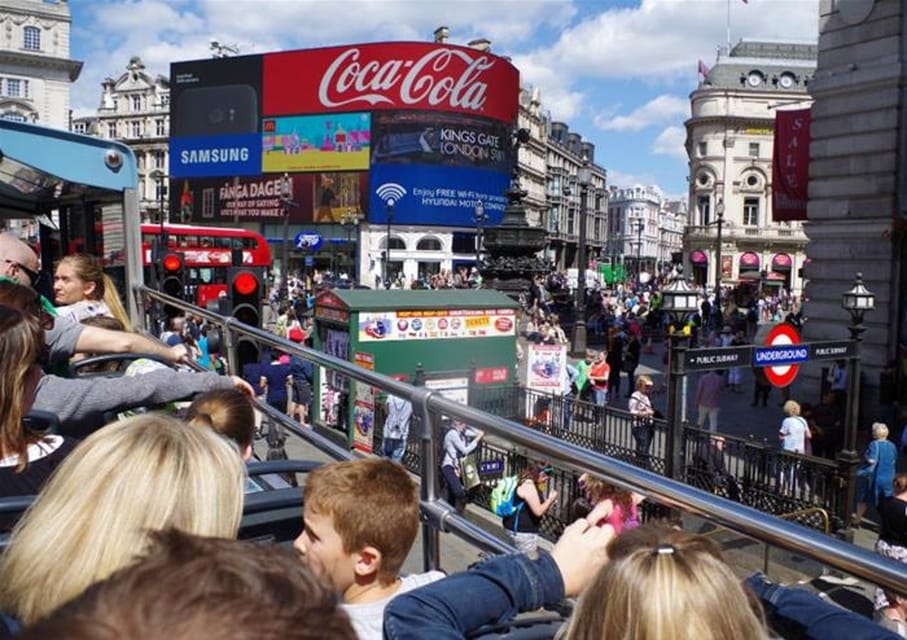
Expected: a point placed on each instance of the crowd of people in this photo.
(133, 529)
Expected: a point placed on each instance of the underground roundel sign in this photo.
(781, 356)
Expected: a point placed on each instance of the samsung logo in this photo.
(211, 156)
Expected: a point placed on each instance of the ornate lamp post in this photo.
(857, 301)
(479, 219)
(350, 221)
(584, 179)
(640, 225)
(160, 177)
(719, 220)
(286, 193)
(387, 245)
(678, 301)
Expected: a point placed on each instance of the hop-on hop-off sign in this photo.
(783, 355)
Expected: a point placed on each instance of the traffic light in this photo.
(172, 280)
(246, 293)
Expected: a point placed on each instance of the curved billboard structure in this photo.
(421, 130)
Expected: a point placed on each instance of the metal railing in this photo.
(438, 515)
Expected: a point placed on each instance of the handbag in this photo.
(469, 472)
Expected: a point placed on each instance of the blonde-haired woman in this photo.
(876, 475)
(135, 476)
(82, 290)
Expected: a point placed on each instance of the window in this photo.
(754, 149)
(751, 211)
(79, 127)
(463, 242)
(31, 38)
(705, 213)
(159, 159)
(571, 224)
(13, 87)
(160, 127)
(703, 148)
(15, 117)
(135, 128)
(136, 103)
(428, 244)
(112, 130)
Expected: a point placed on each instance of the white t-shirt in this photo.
(368, 619)
(793, 432)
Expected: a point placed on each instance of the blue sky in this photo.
(618, 72)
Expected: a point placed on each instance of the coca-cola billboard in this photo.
(391, 76)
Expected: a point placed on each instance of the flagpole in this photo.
(728, 52)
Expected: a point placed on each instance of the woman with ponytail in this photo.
(82, 290)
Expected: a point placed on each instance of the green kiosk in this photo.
(447, 335)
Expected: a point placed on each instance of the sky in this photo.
(618, 72)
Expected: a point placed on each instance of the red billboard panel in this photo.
(790, 165)
(391, 76)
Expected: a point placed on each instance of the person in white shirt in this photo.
(396, 427)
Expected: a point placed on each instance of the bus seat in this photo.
(527, 626)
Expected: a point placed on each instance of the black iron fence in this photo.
(744, 470)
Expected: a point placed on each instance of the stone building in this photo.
(858, 181)
(36, 72)
(135, 109)
(729, 145)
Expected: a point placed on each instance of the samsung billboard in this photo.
(419, 128)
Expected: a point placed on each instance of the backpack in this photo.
(502, 497)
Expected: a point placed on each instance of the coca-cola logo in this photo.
(503, 324)
(440, 76)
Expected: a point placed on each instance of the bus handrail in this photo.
(430, 406)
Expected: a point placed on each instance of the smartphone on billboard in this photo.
(216, 111)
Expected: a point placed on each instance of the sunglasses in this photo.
(33, 276)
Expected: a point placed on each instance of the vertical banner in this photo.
(546, 364)
(790, 165)
(363, 406)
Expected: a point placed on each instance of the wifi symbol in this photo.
(390, 192)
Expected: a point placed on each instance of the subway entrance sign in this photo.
(718, 358)
(782, 355)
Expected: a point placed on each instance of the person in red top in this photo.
(598, 376)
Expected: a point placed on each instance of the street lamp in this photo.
(159, 177)
(479, 220)
(350, 221)
(678, 300)
(640, 225)
(719, 213)
(857, 301)
(584, 179)
(387, 243)
(286, 192)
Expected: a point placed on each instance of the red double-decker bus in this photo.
(207, 254)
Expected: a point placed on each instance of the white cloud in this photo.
(623, 180)
(670, 142)
(659, 110)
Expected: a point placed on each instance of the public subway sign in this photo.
(718, 358)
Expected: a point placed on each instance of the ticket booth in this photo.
(453, 337)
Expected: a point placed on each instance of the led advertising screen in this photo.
(422, 127)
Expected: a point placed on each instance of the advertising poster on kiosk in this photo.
(363, 406)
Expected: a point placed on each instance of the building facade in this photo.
(36, 72)
(567, 152)
(729, 145)
(858, 188)
(135, 109)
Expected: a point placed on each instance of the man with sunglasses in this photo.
(19, 263)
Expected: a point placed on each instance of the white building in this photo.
(35, 69)
(135, 109)
(729, 145)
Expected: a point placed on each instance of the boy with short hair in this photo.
(361, 519)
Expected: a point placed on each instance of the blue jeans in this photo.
(600, 396)
(393, 448)
(491, 592)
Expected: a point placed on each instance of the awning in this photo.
(782, 262)
(749, 276)
(698, 257)
(749, 261)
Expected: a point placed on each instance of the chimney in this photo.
(480, 44)
(441, 34)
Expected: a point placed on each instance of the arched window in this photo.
(31, 38)
(395, 243)
(429, 243)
